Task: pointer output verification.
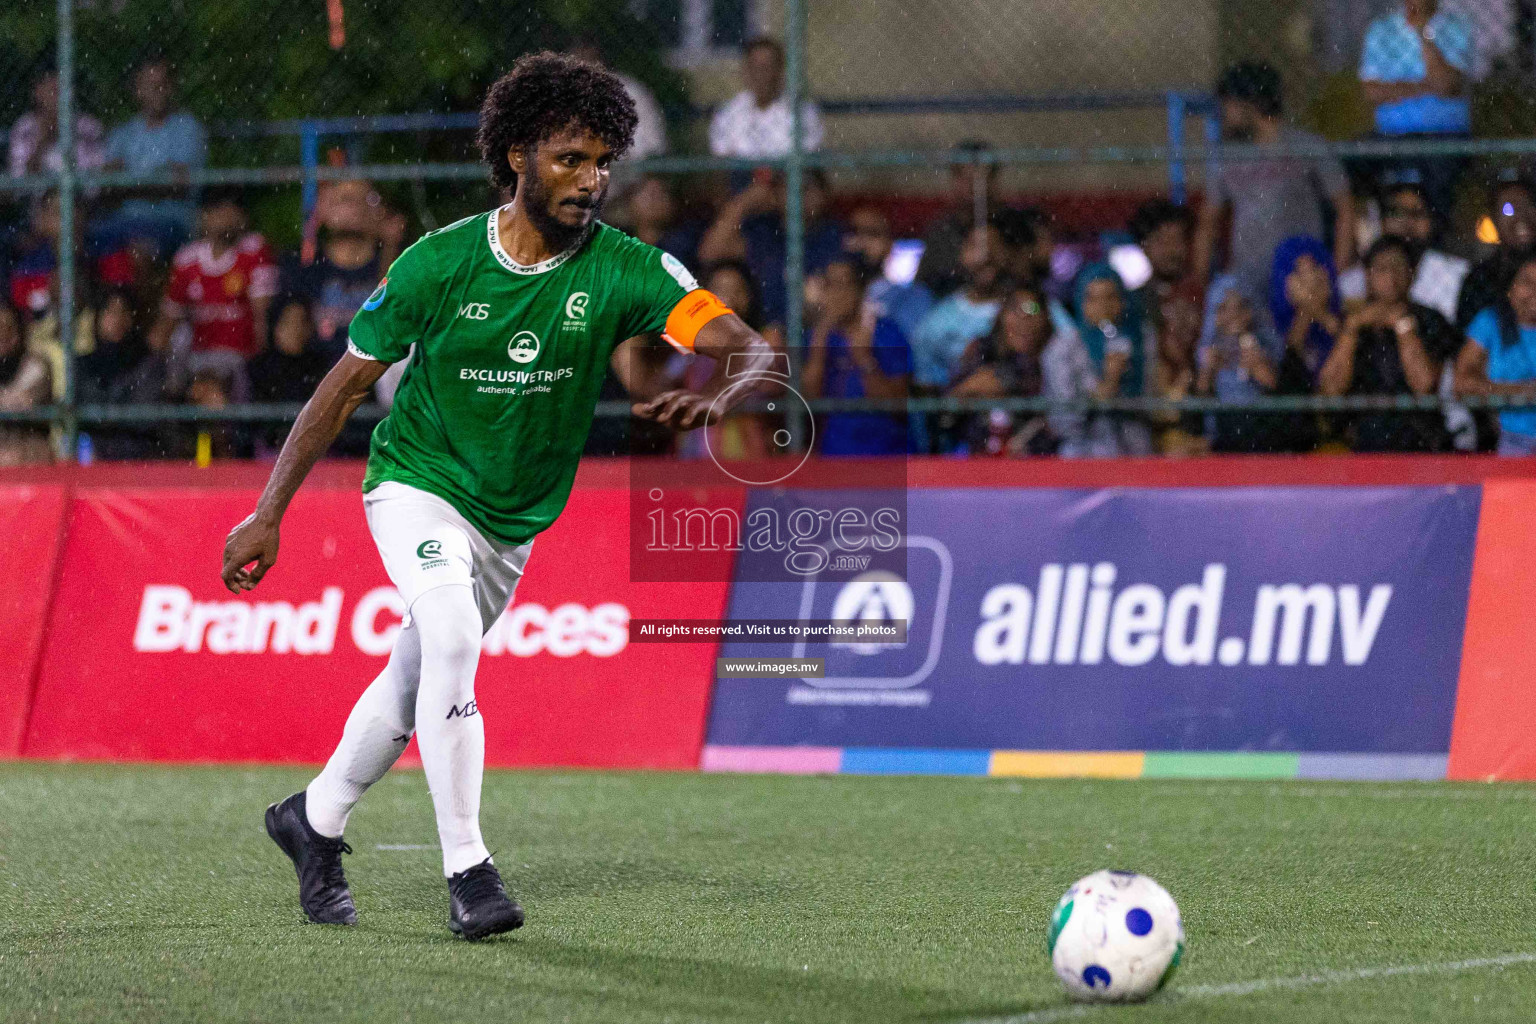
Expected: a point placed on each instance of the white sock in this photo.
(449, 729)
(377, 731)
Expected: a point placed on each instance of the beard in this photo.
(558, 236)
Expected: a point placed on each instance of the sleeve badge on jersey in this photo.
(680, 274)
(372, 302)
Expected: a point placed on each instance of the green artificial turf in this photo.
(152, 894)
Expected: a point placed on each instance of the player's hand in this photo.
(680, 410)
(252, 541)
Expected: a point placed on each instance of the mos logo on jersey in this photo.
(524, 347)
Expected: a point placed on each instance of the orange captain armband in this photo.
(689, 316)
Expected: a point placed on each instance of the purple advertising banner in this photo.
(1300, 619)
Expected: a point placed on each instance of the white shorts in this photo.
(426, 543)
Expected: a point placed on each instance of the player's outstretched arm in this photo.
(724, 337)
(347, 386)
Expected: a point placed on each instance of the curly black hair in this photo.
(546, 93)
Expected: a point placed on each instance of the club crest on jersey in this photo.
(576, 305)
(523, 348)
(372, 302)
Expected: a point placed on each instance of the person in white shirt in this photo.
(1406, 213)
(34, 138)
(756, 122)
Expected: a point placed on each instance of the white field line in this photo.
(1246, 988)
(397, 847)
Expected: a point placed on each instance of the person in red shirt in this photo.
(223, 283)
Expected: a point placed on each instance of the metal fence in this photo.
(291, 97)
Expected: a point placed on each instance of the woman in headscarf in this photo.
(1240, 357)
(1304, 301)
(1111, 334)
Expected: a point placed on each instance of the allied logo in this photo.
(524, 347)
(875, 597)
(576, 305)
(373, 301)
(430, 549)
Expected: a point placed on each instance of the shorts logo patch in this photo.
(467, 710)
(431, 554)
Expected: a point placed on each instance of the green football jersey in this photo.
(497, 398)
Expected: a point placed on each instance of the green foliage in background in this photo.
(241, 60)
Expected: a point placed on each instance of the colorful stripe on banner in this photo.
(1066, 764)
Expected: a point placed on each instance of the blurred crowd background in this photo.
(1021, 232)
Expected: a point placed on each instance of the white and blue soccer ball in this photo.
(1116, 936)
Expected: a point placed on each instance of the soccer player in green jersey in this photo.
(515, 316)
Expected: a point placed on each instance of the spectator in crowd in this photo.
(869, 236)
(119, 370)
(1391, 346)
(118, 348)
(1163, 232)
(157, 138)
(972, 200)
(1271, 198)
(34, 268)
(1304, 303)
(651, 214)
(744, 435)
(1499, 358)
(1415, 67)
(213, 388)
(1024, 356)
(1514, 218)
(359, 238)
(34, 286)
(34, 138)
(1437, 283)
(1239, 359)
(1111, 333)
(651, 128)
(289, 369)
(223, 283)
(756, 122)
(850, 353)
(1029, 244)
(750, 227)
(1174, 339)
(967, 314)
(732, 282)
(1438, 276)
(24, 386)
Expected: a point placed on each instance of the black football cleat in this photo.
(479, 905)
(323, 891)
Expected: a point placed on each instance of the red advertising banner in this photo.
(148, 657)
(31, 520)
